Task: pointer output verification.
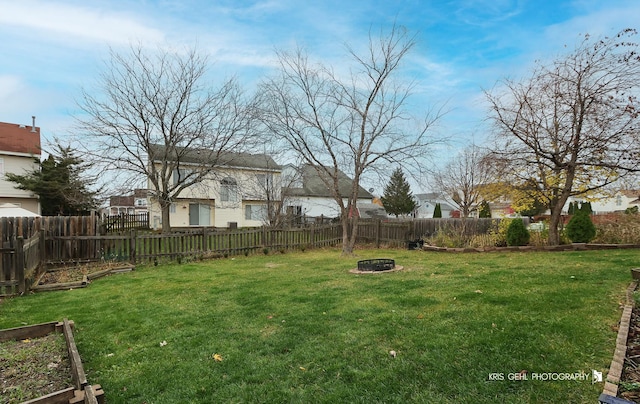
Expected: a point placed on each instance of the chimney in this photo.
(33, 125)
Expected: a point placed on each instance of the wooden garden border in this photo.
(82, 391)
(85, 279)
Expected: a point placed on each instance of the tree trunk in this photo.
(347, 248)
(554, 234)
(166, 224)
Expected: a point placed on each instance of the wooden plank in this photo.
(58, 397)
(31, 331)
(77, 371)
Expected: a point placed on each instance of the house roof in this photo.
(16, 138)
(224, 159)
(312, 185)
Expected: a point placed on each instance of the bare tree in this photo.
(462, 179)
(572, 127)
(346, 124)
(153, 116)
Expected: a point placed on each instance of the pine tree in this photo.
(572, 208)
(397, 198)
(485, 210)
(580, 228)
(437, 211)
(586, 208)
(59, 184)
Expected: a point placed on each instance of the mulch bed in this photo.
(33, 367)
(629, 386)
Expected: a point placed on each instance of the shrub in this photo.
(580, 228)
(517, 233)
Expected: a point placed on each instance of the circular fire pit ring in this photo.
(377, 265)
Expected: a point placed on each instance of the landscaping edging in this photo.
(86, 279)
(610, 392)
(82, 391)
(563, 247)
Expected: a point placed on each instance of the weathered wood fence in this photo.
(29, 244)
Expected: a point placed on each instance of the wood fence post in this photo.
(378, 229)
(19, 263)
(312, 236)
(133, 245)
(43, 246)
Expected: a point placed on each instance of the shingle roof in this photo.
(312, 185)
(19, 139)
(226, 159)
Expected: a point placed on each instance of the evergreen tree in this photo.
(586, 208)
(580, 228)
(437, 212)
(397, 198)
(572, 208)
(517, 233)
(59, 183)
(485, 210)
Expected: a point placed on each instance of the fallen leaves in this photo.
(217, 357)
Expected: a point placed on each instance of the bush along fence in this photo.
(30, 244)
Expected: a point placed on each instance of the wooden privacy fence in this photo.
(137, 246)
(19, 264)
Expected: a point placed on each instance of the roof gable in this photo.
(223, 159)
(313, 185)
(16, 138)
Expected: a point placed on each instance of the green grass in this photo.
(301, 328)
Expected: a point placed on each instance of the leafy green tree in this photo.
(580, 228)
(437, 211)
(60, 183)
(485, 210)
(397, 198)
(517, 233)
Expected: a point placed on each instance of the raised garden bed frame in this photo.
(81, 391)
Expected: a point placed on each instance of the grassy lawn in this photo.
(301, 328)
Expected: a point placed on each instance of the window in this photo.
(180, 174)
(141, 202)
(199, 214)
(172, 208)
(255, 212)
(1, 167)
(228, 190)
(265, 181)
(618, 200)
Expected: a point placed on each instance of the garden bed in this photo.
(41, 364)
(78, 276)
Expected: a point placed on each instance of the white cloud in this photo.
(73, 23)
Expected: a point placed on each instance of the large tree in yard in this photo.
(571, 128)
(353, 123)
(397, 198)
(154, 117)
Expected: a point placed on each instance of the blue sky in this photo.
(50, 48)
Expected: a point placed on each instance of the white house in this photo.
(306, 195)
(19, 150)
(235, 194)
(618, 202)
(427, 205)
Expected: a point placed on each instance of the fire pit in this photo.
(379, 264)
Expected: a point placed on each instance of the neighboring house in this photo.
(235, 194)
(19, 150)
(306, 195)
(618, 202)
(427, 205)
(135, 203)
